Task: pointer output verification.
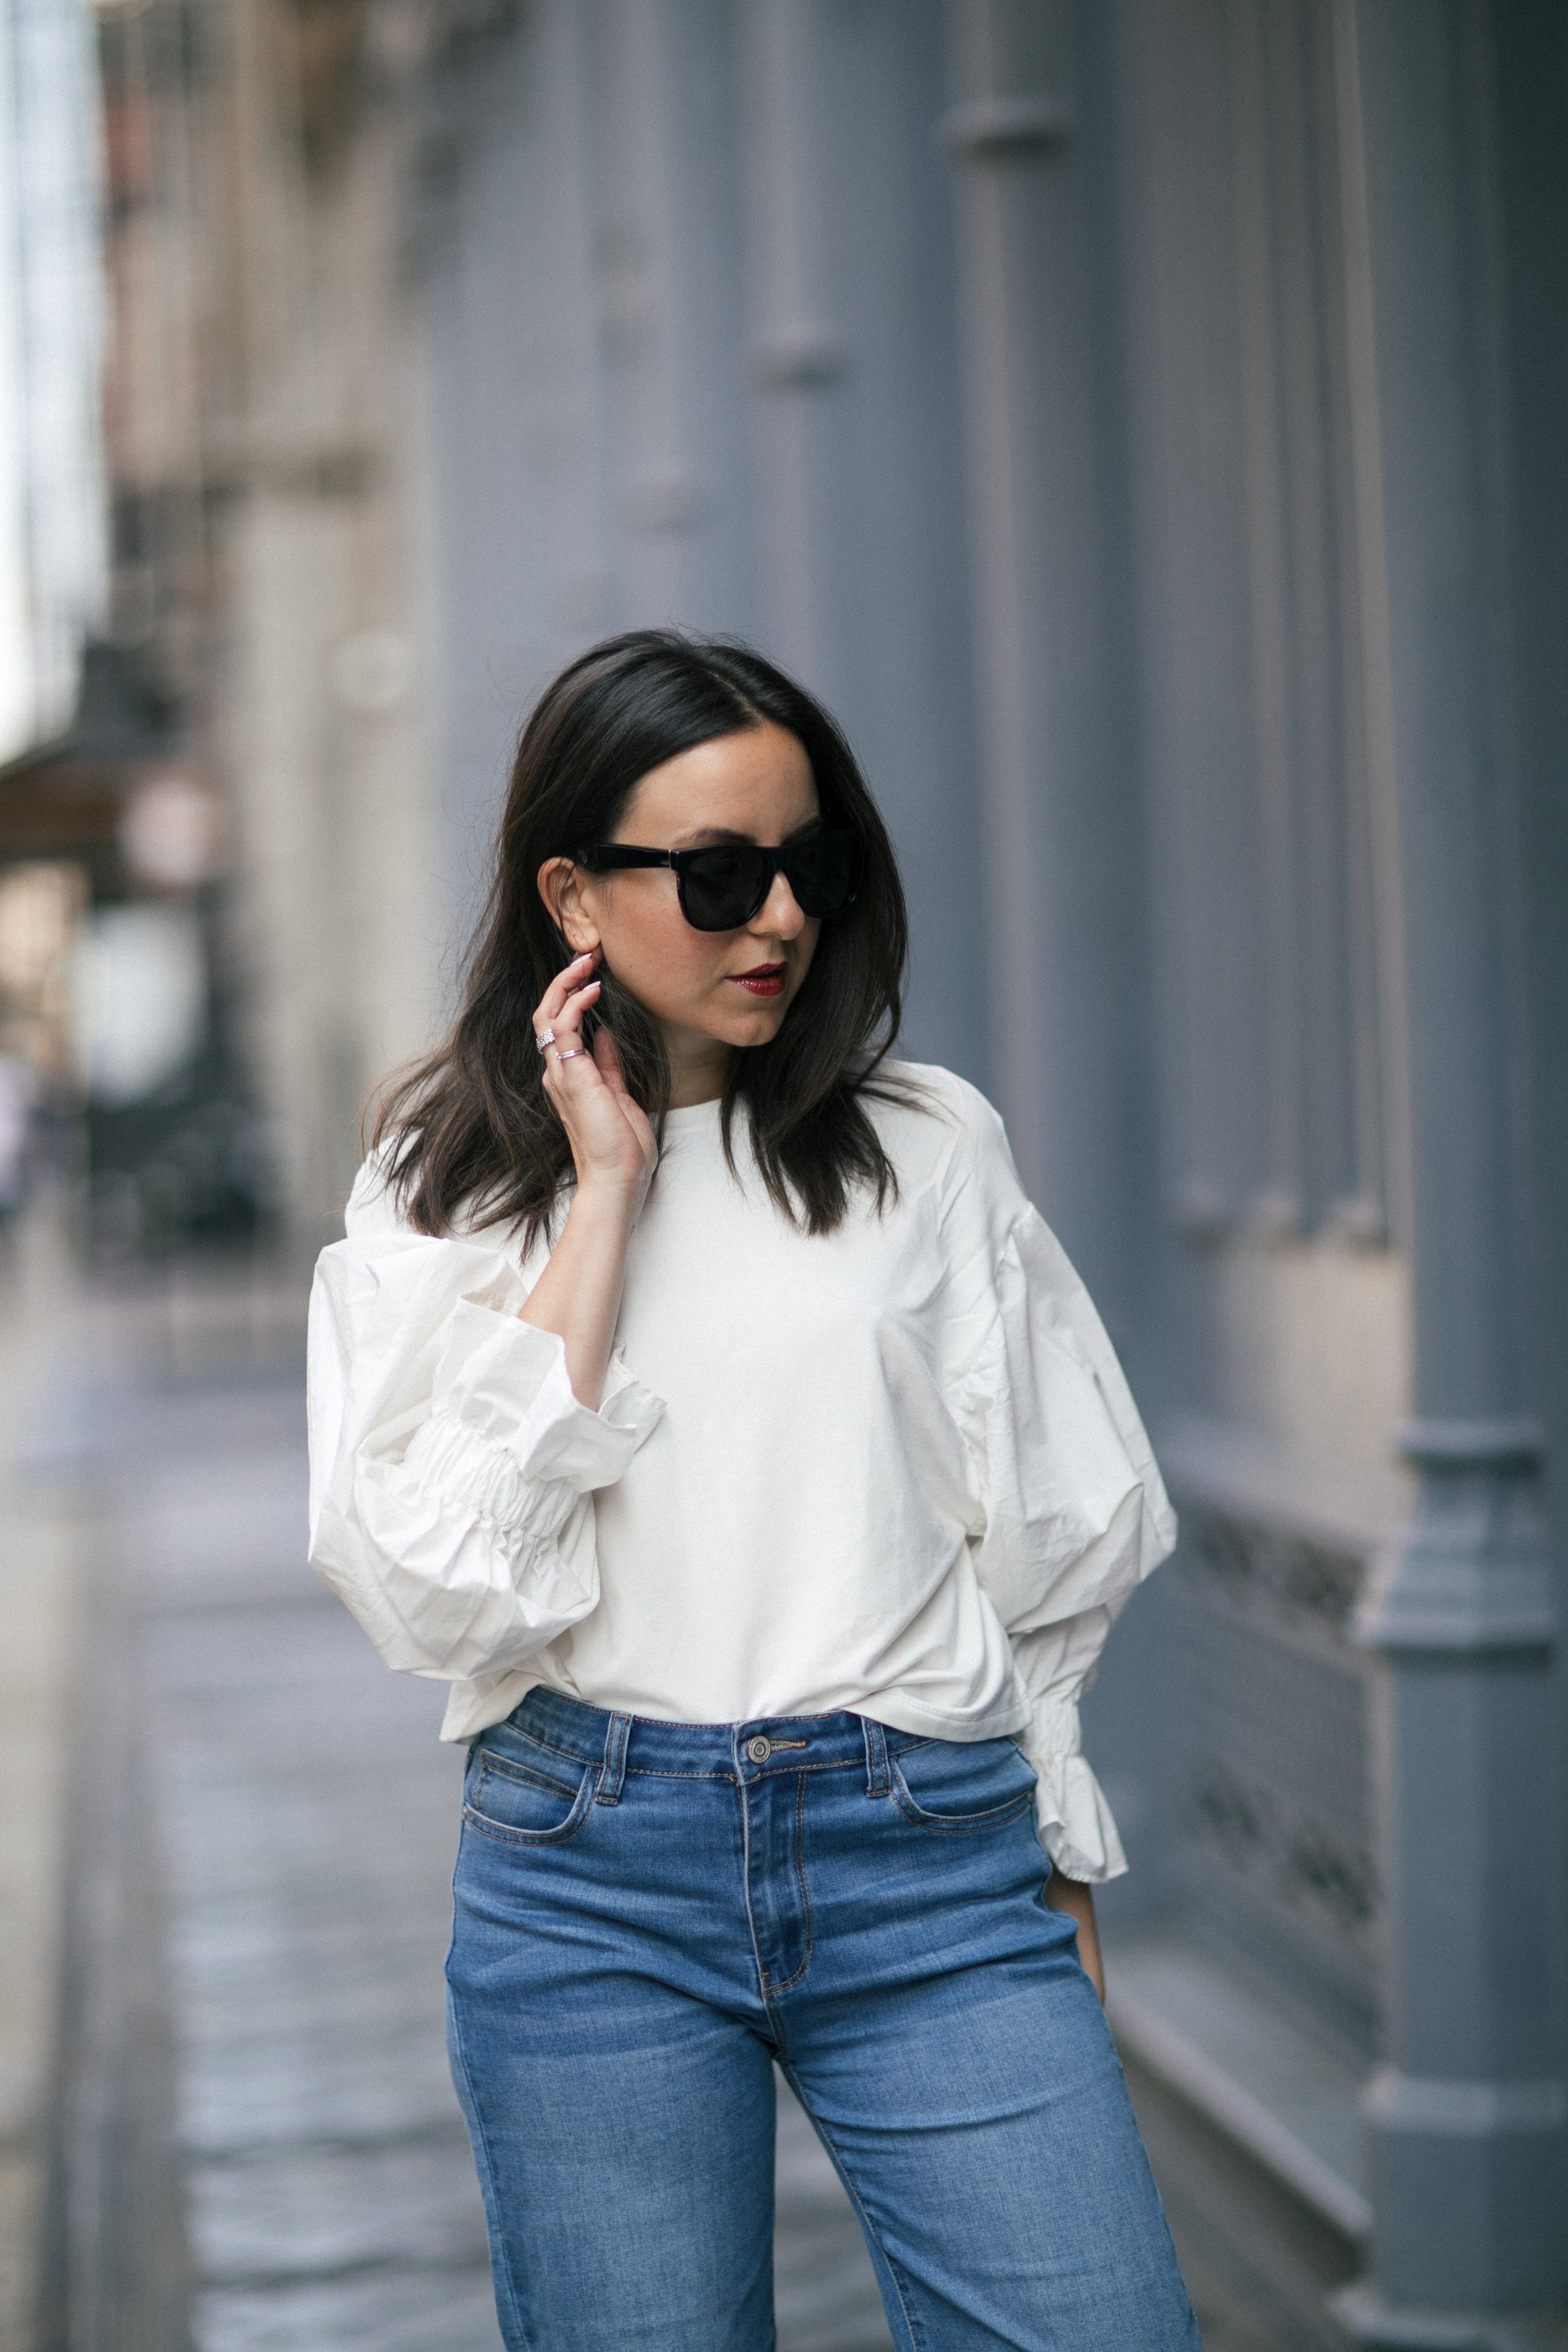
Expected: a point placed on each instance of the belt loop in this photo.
(613, 1771)
(876, 1757)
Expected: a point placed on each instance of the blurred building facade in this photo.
(1144, 424)
(52, 555)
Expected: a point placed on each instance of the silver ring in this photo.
(572, 1054)
(545, 1039)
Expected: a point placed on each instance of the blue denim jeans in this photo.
(649, 1914)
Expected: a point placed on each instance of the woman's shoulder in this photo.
(377, 1209)
(373, 1209)
(938, 1128)
(921, 1099)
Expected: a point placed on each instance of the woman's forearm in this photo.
(578, 1296)
(1077, 1899)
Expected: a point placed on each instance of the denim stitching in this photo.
(967, 1825)
(810, 1944)
(500, 1835)
(958, 1824)
(492, 1759)
(657, 1771)
(875, 1753)
(612, 1778)
(744, 1794)
(506, 1724)
(854, 2196)
(661, 1772)
(682, 1725)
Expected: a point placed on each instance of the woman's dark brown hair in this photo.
(471, 1128)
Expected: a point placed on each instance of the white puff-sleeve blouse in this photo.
(894, 1468)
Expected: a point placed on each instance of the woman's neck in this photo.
(698, 1068)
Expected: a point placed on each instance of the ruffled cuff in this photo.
(503, 1383)
(1074, 1823)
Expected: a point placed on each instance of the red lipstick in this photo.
(762, 979)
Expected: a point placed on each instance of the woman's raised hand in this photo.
(611, 1137)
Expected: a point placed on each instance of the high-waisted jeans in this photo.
(649, 1914)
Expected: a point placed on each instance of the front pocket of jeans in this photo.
(956, 1785)
(519, 1807)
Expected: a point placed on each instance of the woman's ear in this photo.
(560, 888)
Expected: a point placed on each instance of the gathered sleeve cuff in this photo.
(1056, 1664)
(452, 1468)
(1074, 1824)
(505, 1421)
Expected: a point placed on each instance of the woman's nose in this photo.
(779, 916)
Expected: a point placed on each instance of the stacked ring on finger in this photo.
(544, 1039)
(572, 1054)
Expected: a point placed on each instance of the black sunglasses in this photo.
(722, 887)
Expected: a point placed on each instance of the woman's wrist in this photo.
(606, 1199)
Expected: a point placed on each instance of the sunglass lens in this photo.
(722, 888)
(823, 873)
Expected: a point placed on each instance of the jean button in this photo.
(759, 1749)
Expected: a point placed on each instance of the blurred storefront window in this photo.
(139, 991)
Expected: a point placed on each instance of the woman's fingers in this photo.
(607, 1130)
(564, 1035)
(566, 983)
(571, 1014)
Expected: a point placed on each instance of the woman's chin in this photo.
(753, 1025)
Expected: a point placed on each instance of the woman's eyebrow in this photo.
(715, 836)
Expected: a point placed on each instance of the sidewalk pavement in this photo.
(40, 1542)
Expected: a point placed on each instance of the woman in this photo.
(697, 1393)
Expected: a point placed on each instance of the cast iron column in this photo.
(1467, 2117)
(1066, 932)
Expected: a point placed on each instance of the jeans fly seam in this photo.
(853, 2194)
(789, 1983)
(743, 1793)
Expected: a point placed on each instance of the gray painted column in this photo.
(525, 550)
(667, 274)
(1468, 2117)
(800, 348)
(1067, 917)
(854, 412)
